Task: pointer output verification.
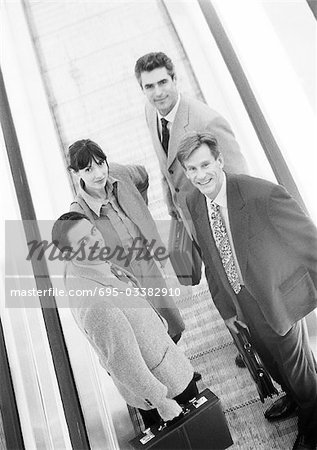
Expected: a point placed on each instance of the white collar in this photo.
(221, 197)
(170, 117)
(95, 204)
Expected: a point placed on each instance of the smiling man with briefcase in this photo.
(260, 253)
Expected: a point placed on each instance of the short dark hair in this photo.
(81, 154)
(151, 61)
(192, 140)
(62, 226)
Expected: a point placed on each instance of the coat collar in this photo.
(201, 221)
(178, 129)
(100, 273)
(238, 219)
(153, 127)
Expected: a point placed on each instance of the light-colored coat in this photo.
(191, 115)
(130, 339)
(131, 194)
(132, 197)
(276, 248)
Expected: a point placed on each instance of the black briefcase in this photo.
(203, 426)
(254, 364)
(184, 255)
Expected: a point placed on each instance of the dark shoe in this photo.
(304, 442)
(239, 361)
(197, 376)
(282, 408)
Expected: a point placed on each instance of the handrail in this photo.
(8, 407)
(64, 374)
(261, 127)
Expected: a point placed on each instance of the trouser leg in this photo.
(292, 357)
(188, 394)
(150, 417)
(253, 317)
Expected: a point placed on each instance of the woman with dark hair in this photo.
(114, 198)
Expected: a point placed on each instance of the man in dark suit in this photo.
(260, 253)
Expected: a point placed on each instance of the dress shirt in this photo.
(221, 200)
(170, 117)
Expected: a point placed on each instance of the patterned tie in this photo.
(224, 248)
(165, 134)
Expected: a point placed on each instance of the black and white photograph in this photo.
(158, 225)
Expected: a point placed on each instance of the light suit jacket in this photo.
(192, 115)
(129, 337)
(131, 194)
(276, 248)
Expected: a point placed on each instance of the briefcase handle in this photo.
(185, 410)
(169, 423)
(149, 434)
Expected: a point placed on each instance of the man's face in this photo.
(95, 175)
(160, 89)
(204, 171)
(84, 233)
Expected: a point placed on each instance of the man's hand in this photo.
(169, 410)
(230, 323)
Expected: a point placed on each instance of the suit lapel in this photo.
(93, 274)
(152, 117)
(152, 123)
(238, 219)
(201, 219)
(178, 129)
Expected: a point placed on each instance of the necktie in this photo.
(224, 248)
(165, 134)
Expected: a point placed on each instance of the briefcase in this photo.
(202, 426)
(184, 254)
(260, 375)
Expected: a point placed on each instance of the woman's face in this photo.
(95, 175)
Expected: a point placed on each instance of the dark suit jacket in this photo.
(276, 247)
(192, 115)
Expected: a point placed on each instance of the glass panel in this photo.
(40, 409)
